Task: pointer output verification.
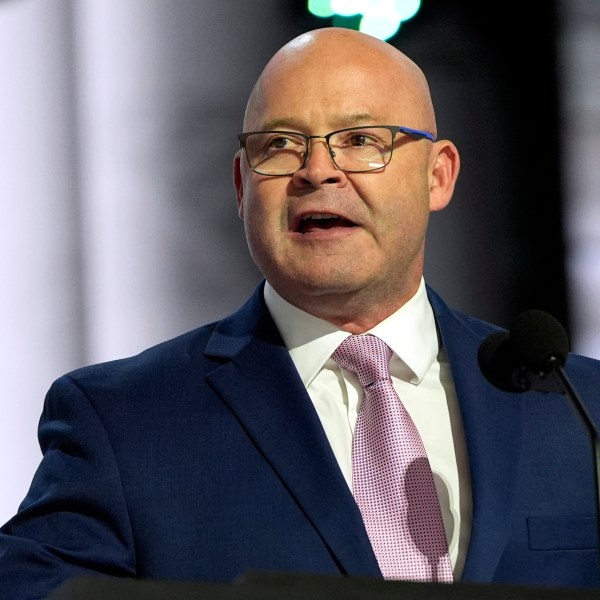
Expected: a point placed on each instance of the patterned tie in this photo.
(392, 480)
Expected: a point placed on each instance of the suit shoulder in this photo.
(164, 359)
(173, 364)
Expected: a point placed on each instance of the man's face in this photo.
(322, 233)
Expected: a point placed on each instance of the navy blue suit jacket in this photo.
(203, 458)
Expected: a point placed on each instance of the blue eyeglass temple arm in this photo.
(417, 133)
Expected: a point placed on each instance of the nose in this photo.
(319, 169)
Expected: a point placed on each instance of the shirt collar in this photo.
(410, 332)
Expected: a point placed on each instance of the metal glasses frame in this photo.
(394, 129)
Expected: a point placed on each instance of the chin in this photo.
(324, 285)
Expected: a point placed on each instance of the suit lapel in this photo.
(261, 386)
(492, 425)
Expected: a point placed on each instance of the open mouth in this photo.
(319, 222)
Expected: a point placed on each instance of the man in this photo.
(229, 449)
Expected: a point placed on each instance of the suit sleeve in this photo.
(74, 518)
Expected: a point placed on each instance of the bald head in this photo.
(316, 57)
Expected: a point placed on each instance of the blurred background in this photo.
(118, 223)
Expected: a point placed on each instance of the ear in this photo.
(444, 166)
(238, 183)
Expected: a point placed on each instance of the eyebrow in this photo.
(341, 121)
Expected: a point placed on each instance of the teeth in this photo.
(320, 216)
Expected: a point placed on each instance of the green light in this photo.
(407, 9)
(348, 8)
(382, 26)
(379, 18)
(320, 8)
(352, 22)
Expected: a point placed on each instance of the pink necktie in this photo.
(392, 480)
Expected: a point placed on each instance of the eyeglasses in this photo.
(353, 150)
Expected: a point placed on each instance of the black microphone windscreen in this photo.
(496, 361)
(536, 337)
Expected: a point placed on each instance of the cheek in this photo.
(253, 218)
(264, 214)
(404, 217)
(269, 197)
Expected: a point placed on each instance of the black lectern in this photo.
(291, 586)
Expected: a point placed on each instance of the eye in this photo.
(280, 141)
(359, 139)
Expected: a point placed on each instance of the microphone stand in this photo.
(561, 380)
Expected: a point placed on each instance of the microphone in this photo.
(523, 358)
(532, 356)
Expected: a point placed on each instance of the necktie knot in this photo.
(365, 355)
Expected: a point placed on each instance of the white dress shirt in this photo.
(421, 377)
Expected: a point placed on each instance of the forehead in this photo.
(327, 87)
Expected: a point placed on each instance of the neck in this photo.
(354, 313)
